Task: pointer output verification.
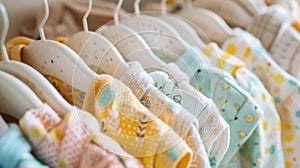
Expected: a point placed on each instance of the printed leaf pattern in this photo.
(113, 117)
(142, 127)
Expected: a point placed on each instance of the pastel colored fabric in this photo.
(126, 120)
(15, 150)
(212, 127)
(185, 124)
(181, 121)
(270, 126)
(286, 52)
(181, 79)
(139, 82)
(266, 25)
(235, 105)
(281, 85)
(67, 142)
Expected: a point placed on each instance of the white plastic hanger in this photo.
(159, 35)
(130, 44)
(3, 125)
(229, 10)
(96, 50)
(215, 27)
(38, 83)
(16, 97)
(55, 59)
(181, 26)
(31, 77)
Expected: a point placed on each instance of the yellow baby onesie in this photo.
(125, 119)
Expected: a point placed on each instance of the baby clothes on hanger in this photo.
(185, 153)
(159, 107)
(67, 142)
(282, 86)
(212, 127)
(140, 133)
(138, 80)
(15, 150)
(270, 132)
(235, 105)
(175, 116)
(185, 124)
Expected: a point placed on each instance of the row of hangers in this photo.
(237, 13)
(74, 62)
(72, 65)
(32, 56)
(75, 70)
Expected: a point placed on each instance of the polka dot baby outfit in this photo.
(125, 119)
(270, 125)
(67, 142)
(235, 105)
(281, 85)
(212, 127)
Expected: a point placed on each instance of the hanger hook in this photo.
(4, 32)
(163, 7)
(87, 13)
(137, 7)
(44, 20)
(116, 14)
